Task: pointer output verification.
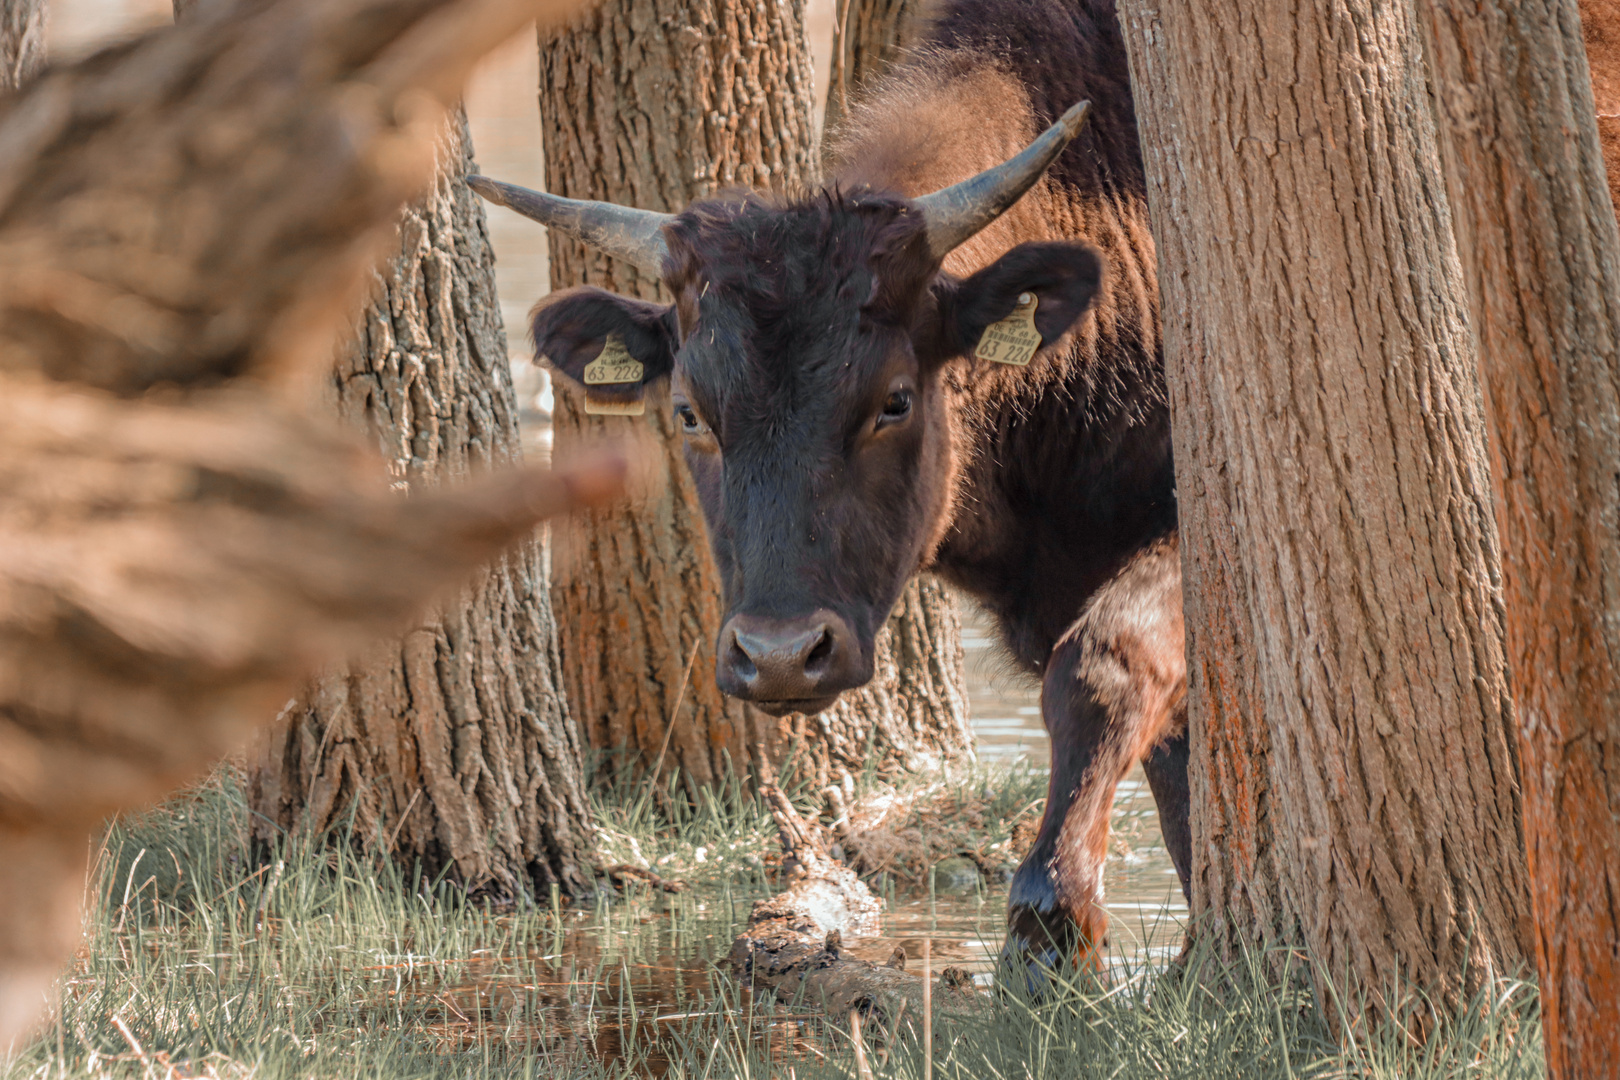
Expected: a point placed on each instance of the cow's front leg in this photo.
(1114, 692)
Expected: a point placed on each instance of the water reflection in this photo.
(634, 979)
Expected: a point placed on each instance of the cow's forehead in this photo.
(768, 250)
(775, 293)
(772, 295)
(745, 352)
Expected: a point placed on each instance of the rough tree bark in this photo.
(173, 565)
(22, 41)
(868, 35)
(1600, 28)
(653, 103)
(451, 749)
(1359, 794)
(1541, 255)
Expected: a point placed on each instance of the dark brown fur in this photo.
(1046, 492)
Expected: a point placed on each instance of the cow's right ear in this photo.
(611, 345)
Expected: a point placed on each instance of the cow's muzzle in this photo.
(789, 665)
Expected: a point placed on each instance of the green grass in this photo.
(328, 964)
(724, 834)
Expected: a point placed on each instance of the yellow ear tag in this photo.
(1014, 339)
(614, 366)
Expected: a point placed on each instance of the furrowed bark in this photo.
(1358, 775)
(451, 749)
(1541, 256)
(868, 36)
(653, 103)
(181, 551)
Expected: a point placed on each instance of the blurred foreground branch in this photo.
(185, 225)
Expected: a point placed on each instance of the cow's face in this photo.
(805, 345)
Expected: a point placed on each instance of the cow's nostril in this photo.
(741, 663)
(820, 654)
(768, 659)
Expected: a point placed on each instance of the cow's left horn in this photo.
(636, 236)
(957, 212)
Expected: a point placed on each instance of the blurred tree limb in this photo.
(186, 222)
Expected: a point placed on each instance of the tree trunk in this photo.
(452, 748)
(1600, 28)
(1357, 775)
(22, 41)
(868, 36)
(653, 103)
(1541, 256)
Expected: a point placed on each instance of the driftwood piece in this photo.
(186, 221)
(793, 944)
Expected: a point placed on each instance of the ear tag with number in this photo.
(1013, 340)
(614, 366)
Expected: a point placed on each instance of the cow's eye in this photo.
(690, 424)
(896, 408)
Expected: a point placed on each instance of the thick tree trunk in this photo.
(1541, 255)
(653, 103)
(22, 41)
(868, 36)
(451, 748)
(1359, 791)
(1600, 27)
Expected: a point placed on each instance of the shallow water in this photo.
(658, 951)
(642, 972)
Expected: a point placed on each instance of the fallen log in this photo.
(793, 945)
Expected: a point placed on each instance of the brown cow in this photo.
(845, 432)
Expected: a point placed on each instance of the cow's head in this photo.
(806, 343)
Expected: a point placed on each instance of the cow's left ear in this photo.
(611, 345)
(1021, 303)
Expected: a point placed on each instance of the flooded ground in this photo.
(650, 959)
(649, 971)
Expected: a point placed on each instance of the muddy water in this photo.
(653, 957)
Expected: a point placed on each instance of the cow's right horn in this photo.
(636, 236)
(957, 212)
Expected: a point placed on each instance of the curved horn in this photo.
(635, 236)
(957, 212)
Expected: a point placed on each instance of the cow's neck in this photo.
(1065, 471)
(1064, 466)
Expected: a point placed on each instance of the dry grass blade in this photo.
(863, 1070)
